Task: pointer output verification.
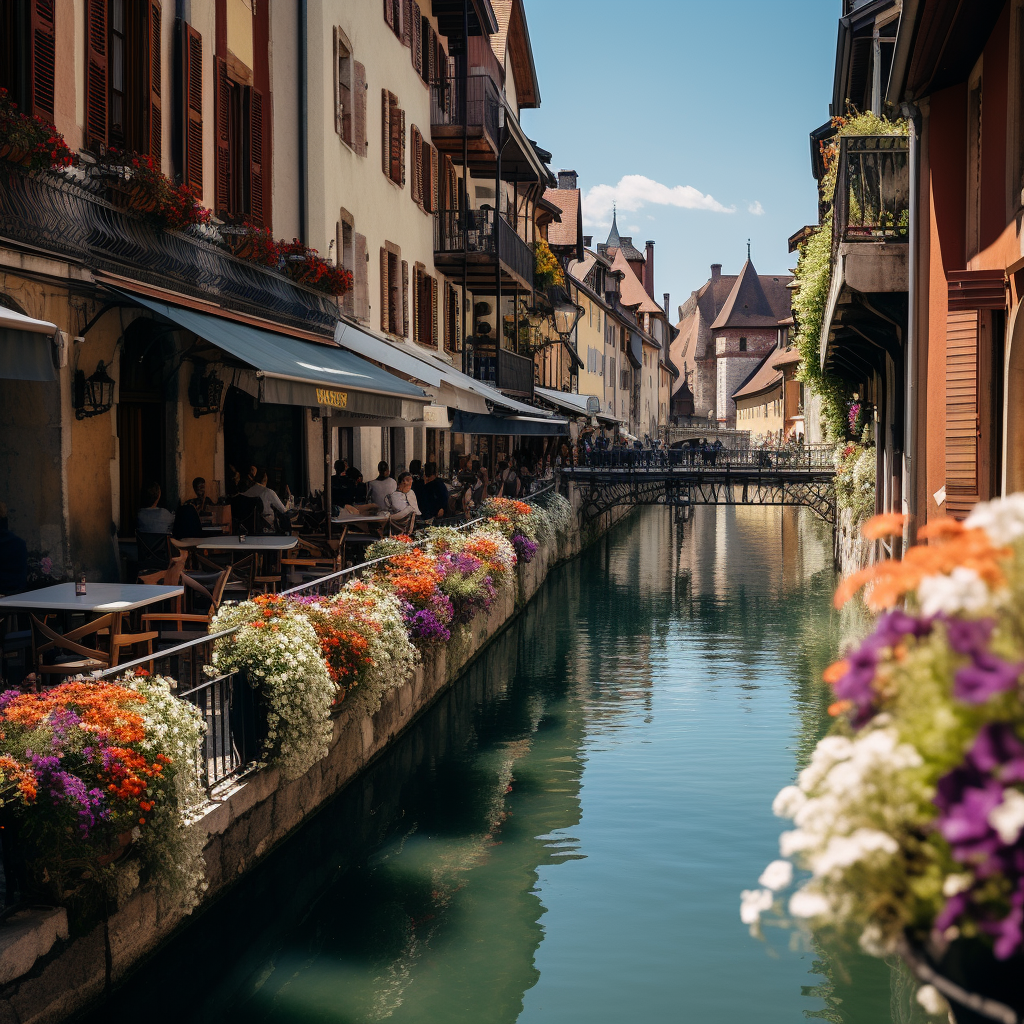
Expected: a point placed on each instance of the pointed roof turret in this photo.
(747, 304)
(614, 242)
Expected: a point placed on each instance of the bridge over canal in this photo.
(683, 479)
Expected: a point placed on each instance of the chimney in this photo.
(716, 271)
(567, 179)
(588, 241)
(649, 269)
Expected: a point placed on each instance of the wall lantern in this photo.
(565, 316)
(204, 391)
(94, 394)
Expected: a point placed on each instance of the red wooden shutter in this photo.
(433, 311)
(96, 73)
(156, 117)
(360, 278)
(43, 44)
(416, 45)
(405, 299)
(385, 131)
(417, 167)
(256, 182)
(192, 107)
(962, 412)
(223, 139)
(359, 107)
(385, 324)
(389, 14)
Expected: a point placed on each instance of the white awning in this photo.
(26, 349)
(12, 320)
(578, 405)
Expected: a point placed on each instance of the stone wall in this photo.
(45, 976)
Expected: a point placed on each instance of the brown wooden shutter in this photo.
(256, 179)
(416, 46)
(192, 107)
(962, 412)
(385, 129)
(432, 68)
(401, 148)
(359, 107)
(44, 46)
(389, 14)
(338, 125)
(96, 73)
(432, 191)
(405, 299)
(451, 184)
(417, 305)
(416, 191)
(406, 13)
(360, 277)
(156, 117)
(433, 311)
(223, 140)
(385, 324)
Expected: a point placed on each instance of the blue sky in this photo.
(711, 101)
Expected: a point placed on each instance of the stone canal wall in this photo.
(45, 976)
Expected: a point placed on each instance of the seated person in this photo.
(340, 484)
(13, 558)
(359, 495)
(187, 522)
(271, 502)
(402, 504)
(381, 486)
(431, 493)
(200, 502)
(151, 517)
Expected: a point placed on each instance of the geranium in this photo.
(149, 191)
(30, 141)
(306, 266)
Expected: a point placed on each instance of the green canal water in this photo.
(564, 836)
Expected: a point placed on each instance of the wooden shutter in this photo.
(405, 299)
(432, 190)
(432, 68)
(256, 135)
(389, 14)
(360, 278)
(156, 122)
(962, 412)
(43, 59)
(416, 45)
(96, 73)
(433, 311)
(401, 148)
(406, 14)
(385, 130)
(385, 324)
(223, 140)
(359, 107)
(416, 191)
(417, 307)
(338, 126)
(451, 180)
(192, 107)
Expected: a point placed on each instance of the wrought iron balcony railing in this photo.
(65, 218)
(483, 232)
(501, 367)
(872, 198)
(476, 107)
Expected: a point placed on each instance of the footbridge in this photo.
(685, 478)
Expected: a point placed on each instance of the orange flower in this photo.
(835, 672)
(839, 707)
(885, 525)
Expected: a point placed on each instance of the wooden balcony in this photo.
(473, 115)
(502, 368)
(482, 241)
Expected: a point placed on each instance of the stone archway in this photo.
(1013, 408)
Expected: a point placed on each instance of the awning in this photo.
(296, 372)
(607, 417)
(577, 405)
(470, 423)
(26, 347)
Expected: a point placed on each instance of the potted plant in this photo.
(137, 184)
(29, 141)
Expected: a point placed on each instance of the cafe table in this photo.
(239, 547)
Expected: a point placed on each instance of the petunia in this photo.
(984, 677)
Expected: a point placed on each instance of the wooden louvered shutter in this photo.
(192, 107)
(256, 180)
(432, 68)
(360, 282)
(96, 73)
(417, 307)
(431, 161)
(401, 148)
(416, 44)
(433, 311)
(451, 184)
(385, 323)
(359, 108)
(416, 191)
(389, 14)
(962, 412)
(223, 140)
(405, 299)
(44, 45)
(156, 63)
(385, 130)
(407, 9)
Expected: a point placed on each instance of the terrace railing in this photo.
(477, 107)
(483, 232)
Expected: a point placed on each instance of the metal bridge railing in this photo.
(806, 458)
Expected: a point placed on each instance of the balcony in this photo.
(481, 239)
(478, 120)
(502, 368)
(872, 198)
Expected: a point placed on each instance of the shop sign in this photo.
(336, 399)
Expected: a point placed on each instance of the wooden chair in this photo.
(200, 620)
(153, 551)
(47, 641)
(169, 577)
(318, 559)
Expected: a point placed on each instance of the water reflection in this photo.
(563, 837)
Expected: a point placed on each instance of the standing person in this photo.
(431, 493)
(271, 502)
(481, 487)
(402, 504)
(508, 480)
(378, 489)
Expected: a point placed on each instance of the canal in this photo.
(564, 836)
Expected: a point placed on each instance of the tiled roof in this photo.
(503, 12)
(749, 304)
(580, 268)
(631, 291)
(763, 378)
(568, 233)
(787, 357)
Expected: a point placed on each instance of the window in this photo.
(342, 86)
(425, 310)
(394, 291)
(393, 16)
(451, 320)
(743, 344)
(425, 162)
(123, 103)
(346, 258)
(392, 138)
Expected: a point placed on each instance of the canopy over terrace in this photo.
(27, 347)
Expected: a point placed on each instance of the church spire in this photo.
(613, 236)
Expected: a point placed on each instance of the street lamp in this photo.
(565, 316)
(93, 394)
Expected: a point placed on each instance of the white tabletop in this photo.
(380, 517)
(229, 543)
(99, 597)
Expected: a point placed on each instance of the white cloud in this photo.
(634, 191)
(755, 208)
(634, 228)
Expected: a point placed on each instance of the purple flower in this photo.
(525, 548)
(966, 636)
(998, 751)
(984, 677)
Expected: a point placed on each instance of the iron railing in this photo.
(872, 197)
(64, 216)
(473, 232)
(501, 367)
(809, 458)
(481, 99)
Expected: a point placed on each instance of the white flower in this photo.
(753, 903)
(955, 884)
(932, 1000)
(1008, 818)
(873, 941)
(963, 590)
(788, 801)
(796, 841)
(778, 875)
(804, 903)
(1002, 519)
(842, 851)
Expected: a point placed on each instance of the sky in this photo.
(692, 115)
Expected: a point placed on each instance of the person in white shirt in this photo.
(402, 504)
(271, 502)
(377, 490)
